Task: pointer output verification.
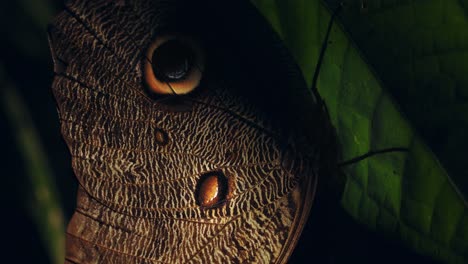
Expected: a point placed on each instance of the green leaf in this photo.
(405, 195)
(422, 58)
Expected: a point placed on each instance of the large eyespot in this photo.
(173, 65)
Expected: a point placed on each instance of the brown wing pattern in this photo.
(139, 159)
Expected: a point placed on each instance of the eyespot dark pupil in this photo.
(172, 61)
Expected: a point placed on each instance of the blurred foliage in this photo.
(34, 153)
(43, 203)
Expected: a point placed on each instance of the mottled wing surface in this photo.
(138, 159)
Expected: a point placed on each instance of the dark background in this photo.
(25, 66)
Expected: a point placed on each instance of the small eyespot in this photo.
(173, 65)
(212, 190)
(161, 137)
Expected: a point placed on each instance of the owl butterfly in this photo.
(192, 133)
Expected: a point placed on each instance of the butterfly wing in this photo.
(139, 161)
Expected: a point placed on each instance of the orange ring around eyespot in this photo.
(179, 87)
